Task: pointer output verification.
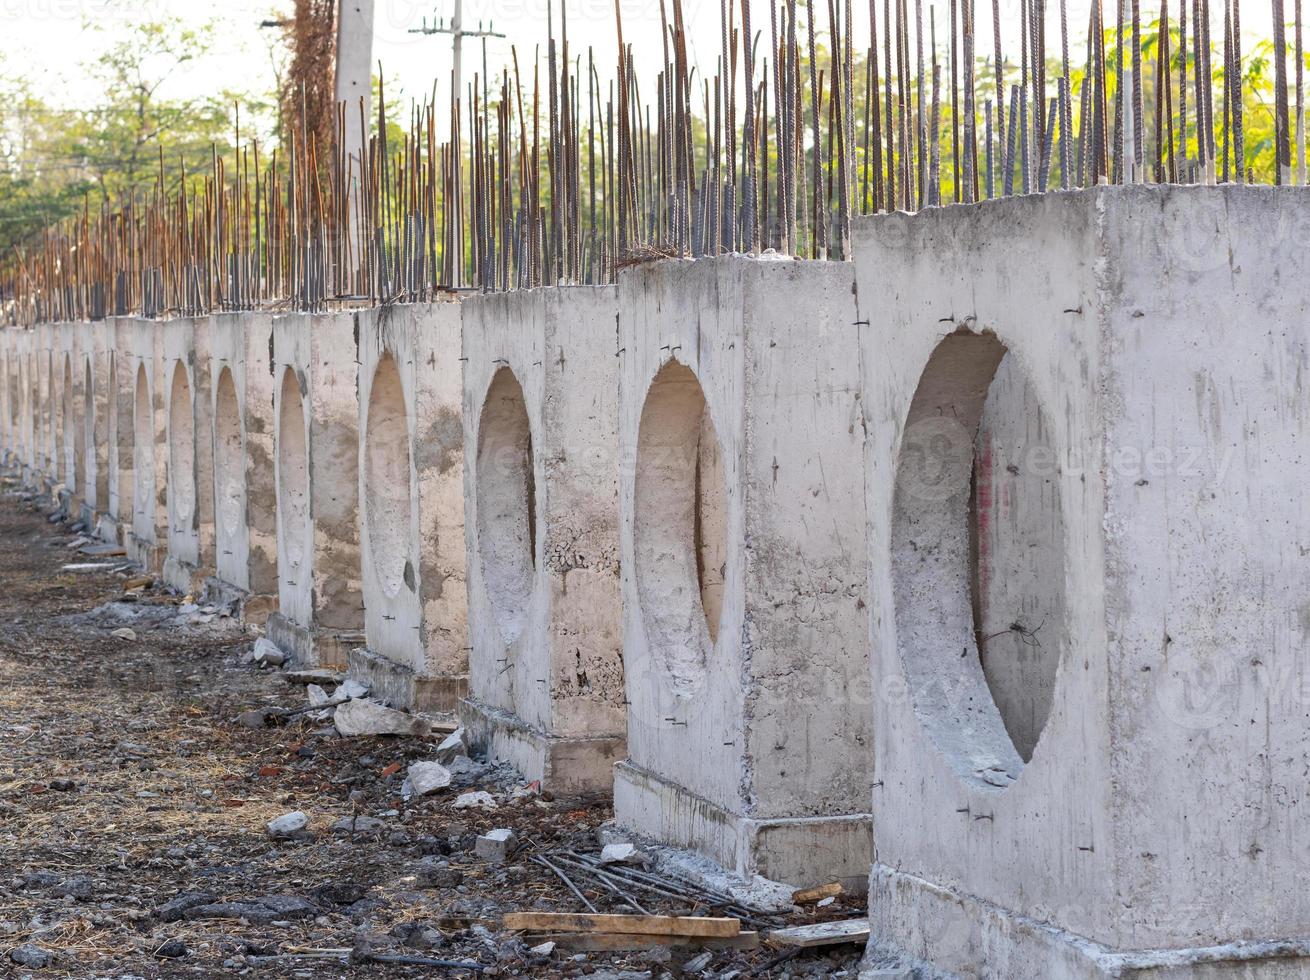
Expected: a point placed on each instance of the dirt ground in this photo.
(133, 813)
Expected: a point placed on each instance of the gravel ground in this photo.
(133, 812)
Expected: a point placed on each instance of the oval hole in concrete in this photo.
(143, 446)
(229, 459)
(293, 472)
(181, 447)
(506, 503)
(978, 560)
(388, 501)
(680, 526)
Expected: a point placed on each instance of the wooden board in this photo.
(818, 893)
(643, 925)
(597, 942)
(823, 933)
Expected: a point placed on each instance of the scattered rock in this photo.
(424, 778)
(352, 688)
(481, 800)
(495, 845)
(544, 950)
(362, 717)
(63, 785)
(173, 910)
(625, 853)
(33, 956)
(317, 675)
(340, 892)
(465, 771)
(360, 825)
(124, 633)
(255, 718)
(268, 654)
(259, 911)
(433, 872)
(289, 826)
(173, 949)
(454, 744)
(78, 886)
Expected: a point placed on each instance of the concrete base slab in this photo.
(312, 646)
(562, 764)
(106, 529)
(183, 577)
(800, 851)
(955, 930)
(253, 610)
(401, 686)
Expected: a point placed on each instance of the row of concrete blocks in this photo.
(988, 547)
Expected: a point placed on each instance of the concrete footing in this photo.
(1081, 583)
(411, 506)
(147, 537)
(190, 454)
(320, 615)
(245, 502)
(541, 522)
(745, 644)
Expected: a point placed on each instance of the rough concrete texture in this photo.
(190, 454)
(69, 446)
(1159, 808)
(94, 342)
(541, 522)
(47, 407)
(119, 429)
(245, 499)
(147, 540)
(411, 511)
(316, 422)
(745, 637)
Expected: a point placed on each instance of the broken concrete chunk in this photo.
(316, 675)
(481, 800)
(545, 949)
(267, 653)
(174, 909)
(424, 778)
(124, 633)
(359, 825)
(495, 845)
(452, 745)
(31, 956)
(362, 717)
(288, 826)
(625, 853)
(352, 688)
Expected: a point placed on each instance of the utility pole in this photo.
(457, 34)
(354, 83)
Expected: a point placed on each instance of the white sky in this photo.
(45, 39)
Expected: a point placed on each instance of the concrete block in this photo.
(320, 613)
(245, 501)
(94, 341)
(46, 343)
(1084, 418)
(69, 441)
(745, 631)
(411, 506)
(147, 541)
(541, 522)
(119, 430)
(190, 454)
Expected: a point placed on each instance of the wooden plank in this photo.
(103, 550)
(807, 896)
(823, 933)
(600, 942)
(644, 925)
